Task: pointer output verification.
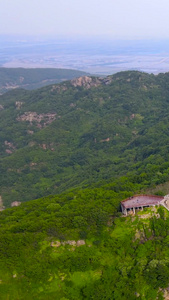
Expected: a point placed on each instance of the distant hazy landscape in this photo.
(94, 56)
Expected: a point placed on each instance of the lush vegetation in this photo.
(34, 78)
(76, 246)
(103, 129)
(107, 139)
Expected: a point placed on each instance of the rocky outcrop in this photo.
(83, 81)
(10, 148)
(105, 140)
(72, 105)
(165, 202)
(15, 203)
(41, 120)
(32, 164)
(2, 207)
(59, 88)
(132, 116)
(166, 293)
(108, 80)
(8, 151)
(30, 132)
(18, 104)
(55, 244)
(88, 82)
(1, 107)
(80, 243)
(47, 146)
(69, 242)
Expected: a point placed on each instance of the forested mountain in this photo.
(74, 246)
(11, 78)
(88, 130)
(92, 142)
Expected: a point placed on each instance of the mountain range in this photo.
(78, 148)
(86, 131)
(12, 78)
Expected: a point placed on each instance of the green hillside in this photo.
(91, 142)
(85, 131)
(77, 246)
(11, 78)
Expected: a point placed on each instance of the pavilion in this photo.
(139, 201)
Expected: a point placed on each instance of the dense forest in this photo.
(78, 246)
(78, 149)
(11, 78)
(85, 131)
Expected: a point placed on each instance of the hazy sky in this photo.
(111, 18)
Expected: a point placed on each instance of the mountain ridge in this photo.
(91, 144)
(12, 78)
(63, 136)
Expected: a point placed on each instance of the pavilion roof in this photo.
(141, 200)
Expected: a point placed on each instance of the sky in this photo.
(119, 19)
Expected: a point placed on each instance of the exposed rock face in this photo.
(69, 242)
(105, 140)
(80, 243)
(107, 80)
(72, 105)
(43, 146)
(30, 132)
(32, 164)
(10, 147)
(15, 203)
(47, 146)
(132, 116)
(1, 107)
(42, 120)
(8, 151)
(55, 244)
(10, 85)
(2, 207)
(59, 88)
(18, 104)
(86, 82)
(166, 294)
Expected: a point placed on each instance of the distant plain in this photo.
(91, 55)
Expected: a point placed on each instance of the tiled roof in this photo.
(141, 200)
